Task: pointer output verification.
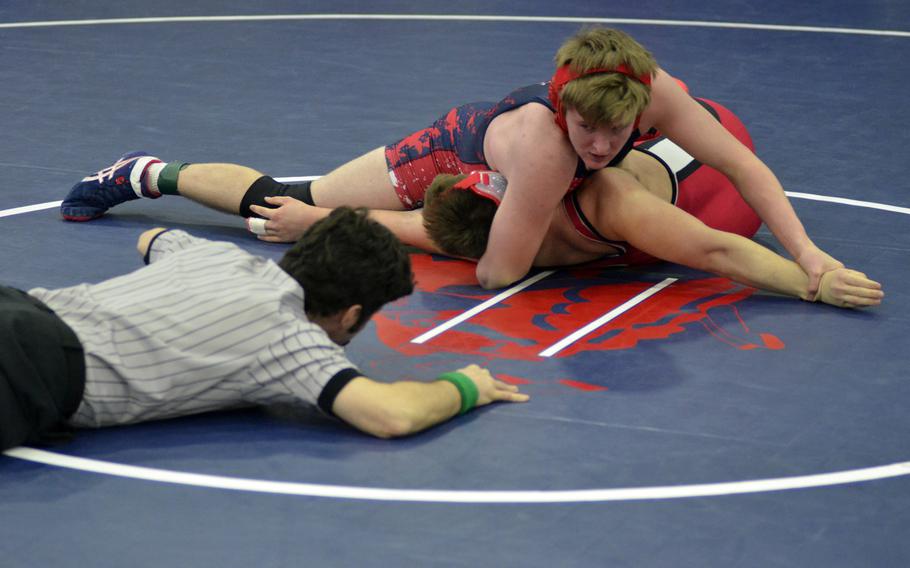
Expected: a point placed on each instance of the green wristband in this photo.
(466, 388)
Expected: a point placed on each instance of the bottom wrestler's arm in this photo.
(664, 231)
(288, 219)
(407, 226)
(743, 260)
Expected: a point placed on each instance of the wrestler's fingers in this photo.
(861, 280)
(864, 300)
(278, 199)
(256, 225)
(855, 301)
(271, 238)
(505, 386)
(509, 396)
(857, 284)
(266, 212)
(864, 292)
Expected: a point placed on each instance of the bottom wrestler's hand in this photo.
(847, 288)
(816, 262)
(286, 221)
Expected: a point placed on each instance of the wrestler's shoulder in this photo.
(530, 120)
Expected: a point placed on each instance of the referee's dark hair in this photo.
(347, 259)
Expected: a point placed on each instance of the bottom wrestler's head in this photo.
(456, 218)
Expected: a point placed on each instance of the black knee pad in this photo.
(268, 187)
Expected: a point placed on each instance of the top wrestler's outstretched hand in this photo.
(815, 262)
(847, 288)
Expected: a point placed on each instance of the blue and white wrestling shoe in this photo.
(123, 181)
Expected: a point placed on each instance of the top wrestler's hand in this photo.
(287, 220)
(490, 389)
(847, 288)
(816, 262)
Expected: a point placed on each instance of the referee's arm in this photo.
(389, 410)
(145, 240)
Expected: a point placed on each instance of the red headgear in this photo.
(565, 74)
(490, 185)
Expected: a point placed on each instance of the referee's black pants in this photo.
(42, 371)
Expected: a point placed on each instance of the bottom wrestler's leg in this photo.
(362, 182)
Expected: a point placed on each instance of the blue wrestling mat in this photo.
(676, 418)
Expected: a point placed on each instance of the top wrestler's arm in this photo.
(539, 165)
(389, 410)
(684, 121)
(515, 237)
(654, 226)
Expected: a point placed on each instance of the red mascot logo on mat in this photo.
(529, 322)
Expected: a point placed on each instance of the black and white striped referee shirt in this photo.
(205, 326)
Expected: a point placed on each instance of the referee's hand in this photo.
(491, 389)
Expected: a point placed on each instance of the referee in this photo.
(207, 326)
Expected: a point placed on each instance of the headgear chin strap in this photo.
(489, 185)
(564, 75)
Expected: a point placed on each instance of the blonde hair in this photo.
(606, 98)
